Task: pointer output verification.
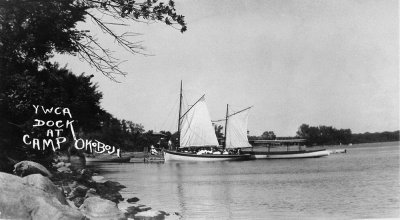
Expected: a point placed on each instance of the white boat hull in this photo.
(178, 156)
(108, 160)
(290, 155)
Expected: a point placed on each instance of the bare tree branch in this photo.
(122, 11)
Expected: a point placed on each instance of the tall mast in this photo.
(179, 117)
(226, 124)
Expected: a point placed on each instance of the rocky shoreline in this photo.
(66, 192)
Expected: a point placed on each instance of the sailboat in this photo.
(196, 132)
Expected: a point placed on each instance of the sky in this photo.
(318, 62)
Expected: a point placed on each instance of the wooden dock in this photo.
(147, 160)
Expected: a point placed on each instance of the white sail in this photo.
(196, 127)
(236, 130)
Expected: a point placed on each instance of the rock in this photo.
(43, 183)
(66, 189)
(78, 191)
(59, 164)
(97, 208)
(25, 168)
(91, 192)
(86, 172)
(21, 200)
(112, 196)
(110, 190)
(64, 170)
(142, 208)
(134, 199)
(132, 210)
(123, 206)
(84, 176)
(73, 184)
(114, 185)
(164, 213)
(78, 201)
(98, 179)
(77, 162)
(150, 215)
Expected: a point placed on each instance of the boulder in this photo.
(78, 201)
(43, 183)
(67, 164)
(134, 199)
(110, 190)
(91, 192)
(64, 170)
(31, 198)
(96, 208)
(78, 191)
(131, 210)
(98, 179)
(66, 189)
(59, 164)
(25, 168)
(114, 185)
(142, 208)
(150, 215)
(86, 173)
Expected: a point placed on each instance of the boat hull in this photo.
(108, 160)
(179, 156)
(289, 154)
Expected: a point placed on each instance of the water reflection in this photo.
(180, 189)
(364, 183)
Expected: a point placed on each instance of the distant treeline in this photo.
(367, 137)
(328, 135)
(324, 135)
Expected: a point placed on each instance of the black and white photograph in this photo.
(199, 109)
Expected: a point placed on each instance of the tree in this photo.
(32, 31)
(375, 137)
(50, 87)
(323, 135)
(268, 135)
(303, 131)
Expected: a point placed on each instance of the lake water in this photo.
(363, 183)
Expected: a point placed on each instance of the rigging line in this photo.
(240, 111)
(219, 120)
(193, 105)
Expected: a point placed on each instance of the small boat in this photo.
(290, 154)
(196, 132)
(106, 158)
(285, 154)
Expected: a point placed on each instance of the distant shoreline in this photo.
(372, 144)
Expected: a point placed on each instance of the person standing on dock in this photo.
(169, 144)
